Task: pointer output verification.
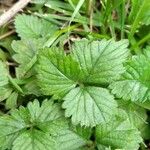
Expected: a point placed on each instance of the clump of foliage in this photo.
(76, 76)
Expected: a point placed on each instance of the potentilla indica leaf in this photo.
(67, 77)
(134, 84)
(24, 124)
(42, 127)
(89, 106)
(100, 61)
(136, 114)
(57, 73)
(33, 140)
(33, 27)
(26, 56)
(118, 133)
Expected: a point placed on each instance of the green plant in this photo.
(76, 77)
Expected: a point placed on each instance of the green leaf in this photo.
(33, 27)
(31, 87)
(39, 127)
(33, 140)
(69, 140)
(5, 89)
(26, 55)
(11, 101)
(89, 106)
(84, 132)
(145, 104)
(3, 74)
(25, 125)
(57, 73)
(100, 61)
(5, 92)
(118, 133)
(134, 84)
(66, 137)
(136, 114)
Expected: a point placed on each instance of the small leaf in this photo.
(134, 84)
(11, 101)
(69, 140)
(33, 140)
(118, 133)
(136, 114)
(89, 106)
(26, 56)
(33, 27)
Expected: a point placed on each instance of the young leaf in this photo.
(89, 106)
(26, 55)
(57, 73)
(100, 61)
(134, 84)
(33, 27)
(118, 133)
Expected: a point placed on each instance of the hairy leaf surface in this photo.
(100, 61)
(89, 106)
(119, 133)
(134, 84)
(33, 27)
(57, 73)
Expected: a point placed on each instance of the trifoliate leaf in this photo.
(134, 83)
(39, 127)
(33, 27)
(26, 55)
(119, 133)
(25, 123)
(89, 106)
(100, 61)
(57, 73)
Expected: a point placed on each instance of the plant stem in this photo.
(123, 15)
(7, 34)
